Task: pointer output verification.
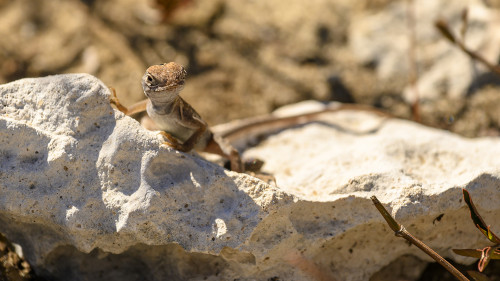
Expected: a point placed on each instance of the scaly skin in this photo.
(181, 125)
(186, 130)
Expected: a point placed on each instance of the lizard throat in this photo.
(162, 96)
(162, 107)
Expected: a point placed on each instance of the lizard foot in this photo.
(253, 167)
(174, 146)
(265, 177)
(172, 142)
(253, 164)
(113, 99)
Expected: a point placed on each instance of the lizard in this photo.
(184, 129)
(177, 121)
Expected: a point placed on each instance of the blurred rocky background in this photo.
(246, 58)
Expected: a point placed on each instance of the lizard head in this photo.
(164, 81)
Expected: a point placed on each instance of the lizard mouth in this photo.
(169, 87)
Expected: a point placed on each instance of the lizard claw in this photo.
(172, 142)
(113, 99)
(174, 146)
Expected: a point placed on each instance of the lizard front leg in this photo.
(172, 142)
(186, 119)
(133, 109)
(189, 144)
(113, 99)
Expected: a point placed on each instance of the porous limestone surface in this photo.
(75, 172)
(90, 195)
(417, 171)
(350, 152)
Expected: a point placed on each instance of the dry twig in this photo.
(401, 231)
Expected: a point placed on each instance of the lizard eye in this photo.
(149, 78)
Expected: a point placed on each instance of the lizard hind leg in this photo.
(217, 145)
(235, 159)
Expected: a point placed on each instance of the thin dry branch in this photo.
(412, 54)
(400, 231)
(445, 30)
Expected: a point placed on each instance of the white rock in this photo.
(75, 172)
(418, 171)
(85, 190)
